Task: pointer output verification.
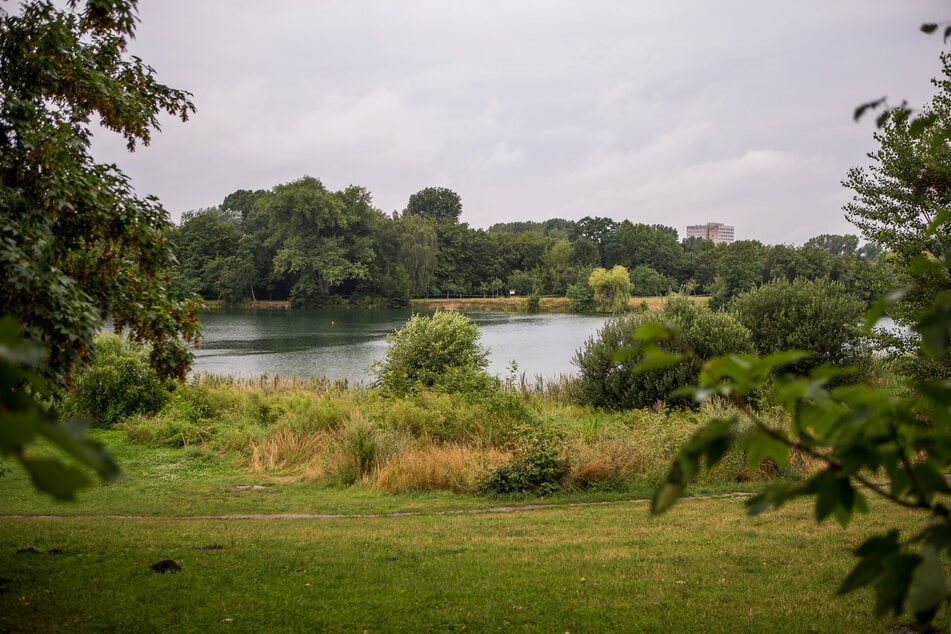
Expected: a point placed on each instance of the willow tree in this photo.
(612, 289)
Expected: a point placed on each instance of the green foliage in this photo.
(118, 383)
(76, 245)
(868, 442)
(438, 204)
(27, 422)
(612, 289)
(534, 303)
(816, 316)
(538, 468)
(324, 238)
(647, 281)
(900, 202)
(207, 246)
(835, 244)
(418, 246)
(740, 266)
(580, 294)
(612, 379)
(442, 351)
(364, 445)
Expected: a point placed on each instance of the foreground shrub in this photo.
(442, 350)
(604, 382)
(815, 316)
(538, 467)
(117, 384)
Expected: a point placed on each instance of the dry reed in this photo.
(451, 466)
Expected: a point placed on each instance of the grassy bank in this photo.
(578, 568)
(521, 439)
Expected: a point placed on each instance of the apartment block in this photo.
(715, 232)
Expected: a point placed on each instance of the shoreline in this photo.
(472, 304)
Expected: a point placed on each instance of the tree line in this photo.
(304, 243)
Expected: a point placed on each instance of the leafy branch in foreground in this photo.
(865, 441)
(78, 247)
(26, 421)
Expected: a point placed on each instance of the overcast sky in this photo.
(735, 111)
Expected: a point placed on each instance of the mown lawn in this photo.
(410, 563)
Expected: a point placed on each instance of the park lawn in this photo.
(411, 563)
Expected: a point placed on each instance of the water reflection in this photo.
(343, 343)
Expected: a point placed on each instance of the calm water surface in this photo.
(343, 343)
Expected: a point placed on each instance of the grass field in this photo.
(416, 563)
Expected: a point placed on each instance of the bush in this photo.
(816, 316)
(581, 297)
(441, 351)
(118, 383)
(534, 303)
(603, 382)
(538, 467)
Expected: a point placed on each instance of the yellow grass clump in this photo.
(451, 466)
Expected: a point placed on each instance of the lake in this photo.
(341, 344)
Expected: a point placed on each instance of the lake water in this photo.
(342, 344)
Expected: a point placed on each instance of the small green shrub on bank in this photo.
(605, 382)
(538, 466)
(816, 316)
(438, 351)
(117, 384)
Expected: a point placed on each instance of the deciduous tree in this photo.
(612, 289)
(77, 245)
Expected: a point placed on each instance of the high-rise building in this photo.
(715, 232)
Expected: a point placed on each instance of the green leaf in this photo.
(710, 442)
(654, 331)
(655, 358)
(891, 587)
(53, 477)
(671, 490)
(835, 496)
(935, 327)
(871, 105)
(872, 554)
(774, 496)
(70, 438)
(624, 354)
(759, 446)
(928, 588)
(929, 27)
(921, 123)
(19, 428)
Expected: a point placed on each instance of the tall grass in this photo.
(327, 433)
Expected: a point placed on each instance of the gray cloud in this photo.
(735, 111)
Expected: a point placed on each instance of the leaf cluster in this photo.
(27, 421)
